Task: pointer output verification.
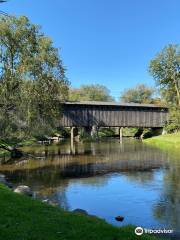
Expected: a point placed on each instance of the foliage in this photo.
(32, 79)
(25, 218)
(129, 132)
(165, 68)
(173, 123)
(93, 92)
(139, 94)
(85, 136)
(106, 132)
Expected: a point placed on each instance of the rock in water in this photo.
(119, 218)
(24, 190)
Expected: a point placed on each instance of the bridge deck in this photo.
(110, 114)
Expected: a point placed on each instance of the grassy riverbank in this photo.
(28, 219)
(168, 140)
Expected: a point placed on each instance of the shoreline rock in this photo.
(84, 212)
(23, 189)
(81, 211)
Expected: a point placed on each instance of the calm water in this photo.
(107, 179)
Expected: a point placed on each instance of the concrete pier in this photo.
(120, 134)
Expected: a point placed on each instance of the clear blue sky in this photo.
(108, 42)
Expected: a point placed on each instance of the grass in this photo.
(163, 141)
(22, 218)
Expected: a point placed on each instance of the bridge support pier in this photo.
(72, 139)
(94, 132)
(74, 133)
(120, 134)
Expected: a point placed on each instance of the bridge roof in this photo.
(113, 104)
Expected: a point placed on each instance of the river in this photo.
(107, 179)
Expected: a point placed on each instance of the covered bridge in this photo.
(113, 114)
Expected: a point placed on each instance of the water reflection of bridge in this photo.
(91, 159)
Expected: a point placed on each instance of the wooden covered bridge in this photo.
(111, 114)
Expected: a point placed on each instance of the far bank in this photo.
(165, 141)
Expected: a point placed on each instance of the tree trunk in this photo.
(15, 153)
(178, 95)
(177, 91)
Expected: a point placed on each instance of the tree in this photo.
(32, 78)
(139, 94)
(93, 92)
(165, 68)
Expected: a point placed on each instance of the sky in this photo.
(109, 42)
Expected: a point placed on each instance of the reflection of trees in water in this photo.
(60, 196)
(168, 208)
(45, 183)
(92, 181)
(140, 176)
(107, 158)
(131, 157)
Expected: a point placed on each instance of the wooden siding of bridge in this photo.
(113, 116)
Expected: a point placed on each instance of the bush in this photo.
(173, 123)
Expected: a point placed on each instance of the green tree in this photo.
(93, 92)
(32, 78)
(173, 123)
(165, 68)
(139, 94)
